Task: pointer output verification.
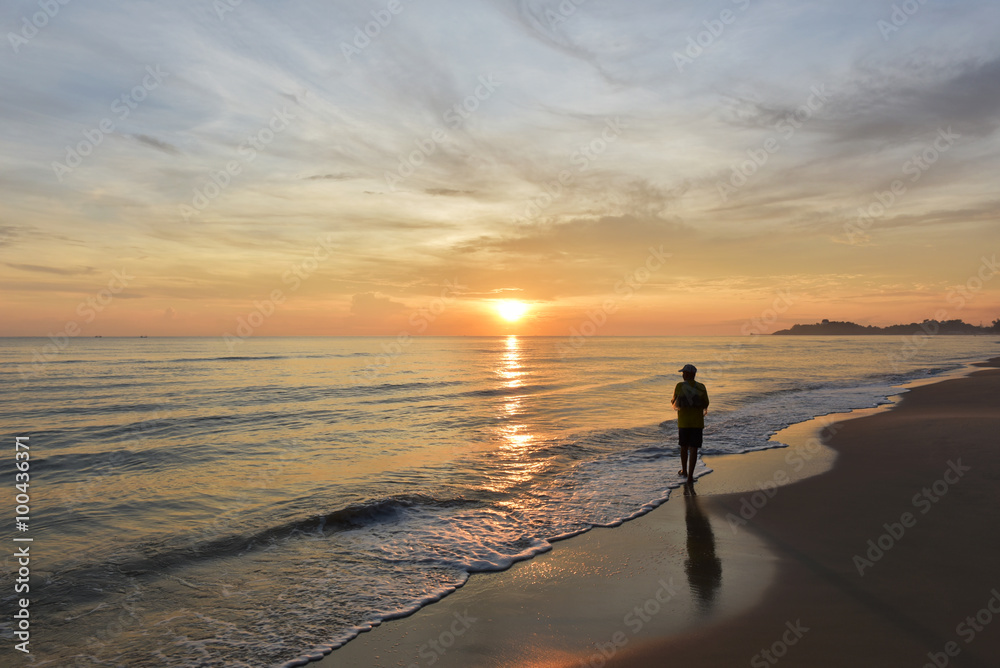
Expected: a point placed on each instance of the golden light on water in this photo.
(515, 436)
(511, 310)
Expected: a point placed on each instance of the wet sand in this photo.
(889, 559)
(767, 562)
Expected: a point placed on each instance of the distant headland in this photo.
(932, 327)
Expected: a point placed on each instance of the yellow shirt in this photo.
(691, 417)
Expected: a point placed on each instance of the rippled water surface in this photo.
(196, 506)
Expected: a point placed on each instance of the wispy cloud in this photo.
(59, 271)
(417, 171)
(156, 143)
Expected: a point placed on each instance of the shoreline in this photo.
(561, 608)
(887, 571)
(621, 552)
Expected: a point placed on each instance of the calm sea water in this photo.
(191, 506)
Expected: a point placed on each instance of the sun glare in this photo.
(511, 310)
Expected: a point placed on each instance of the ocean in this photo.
(194, 506)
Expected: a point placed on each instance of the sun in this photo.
(511, 310)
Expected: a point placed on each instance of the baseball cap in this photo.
(689, 368)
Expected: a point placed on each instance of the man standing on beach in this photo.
(690, 400)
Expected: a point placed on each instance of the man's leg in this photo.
(693, 452)
(684, 460)
(694, 445)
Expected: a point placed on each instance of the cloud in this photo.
(374, 305)
(156, 143)
(893, 105)
(60, 271)
(552, 24)
(331, 177)
(447, 192)
(8, 234)
(607, 237)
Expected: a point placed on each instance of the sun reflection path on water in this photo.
(513, 459)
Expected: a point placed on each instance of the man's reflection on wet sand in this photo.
(703, 568)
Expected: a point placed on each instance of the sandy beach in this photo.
(879, 548)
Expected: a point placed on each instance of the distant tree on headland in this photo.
(932, 327)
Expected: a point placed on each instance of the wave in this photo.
(221, 358)
(508, 391)
(254, 358)
(212, 542)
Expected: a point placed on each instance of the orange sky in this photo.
(184, 173)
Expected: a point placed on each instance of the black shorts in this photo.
(690, 436)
